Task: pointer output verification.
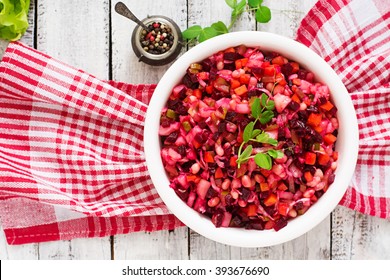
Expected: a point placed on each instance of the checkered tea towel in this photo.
(71, 153)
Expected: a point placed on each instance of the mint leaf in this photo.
(266, 116)
(247, 134)
(207, 33)
(231, 3)
(275, 153)
(192, 32)
(254, 3)
(263, 161)
(220, 27)
(256, 110)
(239, 8)
(263, 14)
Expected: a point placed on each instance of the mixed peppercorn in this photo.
(158, 39)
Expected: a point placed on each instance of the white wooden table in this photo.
(88, 34)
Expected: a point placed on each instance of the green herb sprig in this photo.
(262, 111)
(200, 34)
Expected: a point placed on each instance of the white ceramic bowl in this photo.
(347, 140)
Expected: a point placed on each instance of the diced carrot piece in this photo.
(295, 67)
(241, 90)
(218, 173)
(198, 93)
(234, 83)
(209, 157)
(282, 187)
(209, 89)
(318, 128)
(230, 50)
(314, 119)
(269, 71)
(270, 200)
(279, 78)
(192, 178)
(310, 158)
(335, 155)
(323, 159)
(295, 98)
(308, 176)
(283, 208)
(265, 64)
(233, 161)
(196, 144)
(307, 101)
(329, 138)
(251, 210)
(278, 89)
(327, 106)
(264, 187)
(296, 81)
(240, 63)
(244, 79)
(279, 60)
(265, 172)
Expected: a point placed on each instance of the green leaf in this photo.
(13, 18)
(263, 137)
(270, 105)
(231, 3)
(263, 14)
(254, 3)
(272, 142)
(264, 99)
(256, 110)
(207, 33)
(192, 32)
(246, 153)
(263, 161)
(239, 8)
(248, 131)
(220, 27)
(266, 116)
(275, 153)
(255, 133)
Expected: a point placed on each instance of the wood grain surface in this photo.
(89, 35)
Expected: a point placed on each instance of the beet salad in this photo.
(248, 138)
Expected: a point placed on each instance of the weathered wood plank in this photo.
(286, 16)
(125, 67)
(75, 32)
(358, 236)
(79, 35)
(164, 245)
(77, 249)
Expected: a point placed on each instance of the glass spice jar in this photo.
(160, 44)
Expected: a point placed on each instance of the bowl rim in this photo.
(347, 139)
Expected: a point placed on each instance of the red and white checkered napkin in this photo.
(354, 38)
(71, 153)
